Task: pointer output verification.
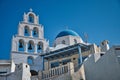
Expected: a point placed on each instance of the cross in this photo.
(31, 10)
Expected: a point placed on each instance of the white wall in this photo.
(106, 68)
(22, 58)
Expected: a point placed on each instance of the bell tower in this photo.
(29, 43)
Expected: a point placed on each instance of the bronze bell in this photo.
(26, 31)
(30, 47)
(20, 46)
(39, 47)
(35, 32)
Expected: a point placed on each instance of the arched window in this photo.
(31, 18)
(63, 42)
(35, 32)
(26, 31)
(30, 60)
(31, 46)
(40, 47)
(75, 41)
(21, 45)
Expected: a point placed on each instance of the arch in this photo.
(75, 41)
(35, 32)
(21, 45)
(31, 46)
(26, 31)
(40, 47)
(33, 72)
(63, 41)
(31, 18)
(30, 60)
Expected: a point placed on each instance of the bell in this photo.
(39, 47)
(30, 47)
(20, 46)
(25, 30)
(30, 19)
(35, 32)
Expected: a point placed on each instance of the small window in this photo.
(63, 42)
(54, 64)
(102, 43)
(26, 66)
(66, 61)
(101, 54)
(117, 48)
(3, 72)
(74, 58)
(30, 60)
(75, 41)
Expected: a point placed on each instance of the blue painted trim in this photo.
(42, 62)
(59, 52)
(80, 54)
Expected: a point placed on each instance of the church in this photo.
(70, 58)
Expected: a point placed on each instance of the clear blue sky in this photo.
(100, 19)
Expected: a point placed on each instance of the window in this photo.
(35, 32)
(21, 45)
(30, 60)
(26, 31)
(31, 46)
(74, 58)
(31, 18)
(63, 42)
(75, 41)
(102, 43)
(66, 61)
(54, 64)
(26, 66)
(3, 72)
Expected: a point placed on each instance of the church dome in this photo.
(66, 33)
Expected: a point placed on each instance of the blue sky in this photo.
(100, 19)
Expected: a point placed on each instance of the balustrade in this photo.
(56, 71)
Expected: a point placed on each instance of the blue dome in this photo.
(66, 33)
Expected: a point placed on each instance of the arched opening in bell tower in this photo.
(35, 32)
(21, 45)
(31, 18)
(40, 47)
(30, 46)
(26, 31)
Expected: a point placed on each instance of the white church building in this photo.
(70, 58)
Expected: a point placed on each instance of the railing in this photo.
(68, 68)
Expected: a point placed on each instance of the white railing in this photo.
(53, 72)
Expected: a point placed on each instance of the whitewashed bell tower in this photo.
(29, 43)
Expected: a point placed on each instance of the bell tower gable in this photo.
(31, 17)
